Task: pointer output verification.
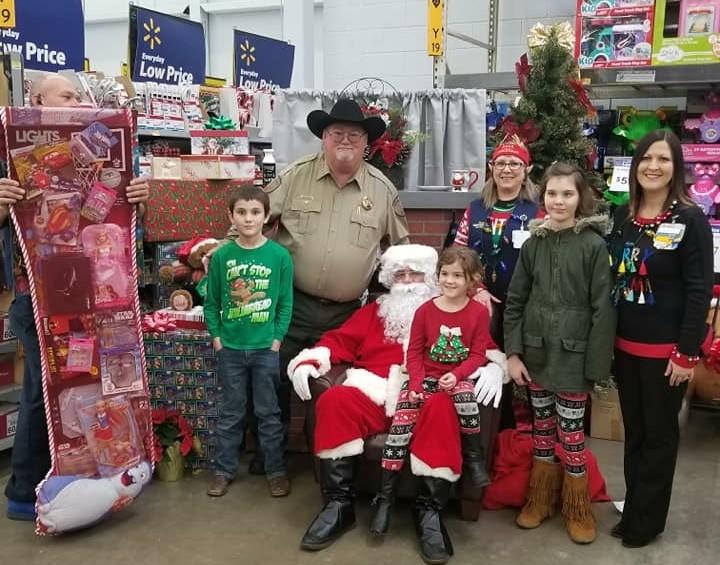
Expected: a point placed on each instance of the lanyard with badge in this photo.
(519, 237)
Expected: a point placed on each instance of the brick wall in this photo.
(429, 227)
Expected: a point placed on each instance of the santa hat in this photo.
(190, 247)
(413, 256)
(513, 146)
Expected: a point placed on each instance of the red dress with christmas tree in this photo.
(440, 342)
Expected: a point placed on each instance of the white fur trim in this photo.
(499, 358)
(202, 242)
(422, 469)
(354, 447)
(320, 355)
(370, 384)
(396, 377)
(421, 258)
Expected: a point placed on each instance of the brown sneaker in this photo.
(279, 486)
(218, 486)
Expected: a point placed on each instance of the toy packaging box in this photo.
(610, 7)
(182, 371)
(182, 209)
(78, 242)
(617, 37)
(218, 167)
(219, 142)
(697, 40)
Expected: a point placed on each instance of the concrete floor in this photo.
(176, 523)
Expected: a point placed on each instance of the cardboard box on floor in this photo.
(605, 418)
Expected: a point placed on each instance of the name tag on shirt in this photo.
(519, 237)
(668, 236)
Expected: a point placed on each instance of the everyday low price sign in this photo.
(262, 62)
(166, 49)
(49, 34)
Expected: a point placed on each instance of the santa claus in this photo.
(372, 342)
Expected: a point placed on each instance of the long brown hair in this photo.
(678, 189)
(586, 202)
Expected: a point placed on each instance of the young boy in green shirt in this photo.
(247, 310)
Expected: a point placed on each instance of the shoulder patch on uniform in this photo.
(288, 171)
(274, 185)
(398, 207)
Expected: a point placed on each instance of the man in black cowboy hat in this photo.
(333, 209)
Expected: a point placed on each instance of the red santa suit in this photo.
(364, 404)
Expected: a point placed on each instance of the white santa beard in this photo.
(397, 308)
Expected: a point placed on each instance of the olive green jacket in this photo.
(559, 317)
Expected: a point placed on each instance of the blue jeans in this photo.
(31, 454)
(260, 368)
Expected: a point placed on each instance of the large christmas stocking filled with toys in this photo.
(77, 236)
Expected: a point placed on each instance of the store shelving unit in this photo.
(639, 82)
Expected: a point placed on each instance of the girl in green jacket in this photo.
(559, 329)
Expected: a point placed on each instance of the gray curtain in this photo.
(454, 121)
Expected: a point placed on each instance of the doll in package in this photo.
(111, 433)
(104, 245)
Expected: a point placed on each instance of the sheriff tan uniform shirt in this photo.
(334, 234)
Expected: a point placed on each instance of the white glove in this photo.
(301, 380)
(489, 384)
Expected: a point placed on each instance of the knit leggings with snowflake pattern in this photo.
(406, 414)
(559, 418)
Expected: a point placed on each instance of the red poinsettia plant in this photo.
(172, 428)
(393, 147)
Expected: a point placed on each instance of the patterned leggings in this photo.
(559, 417)
(401, 429)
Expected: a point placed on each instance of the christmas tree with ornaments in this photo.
(549, 114)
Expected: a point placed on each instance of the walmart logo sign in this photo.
(152, 34)
(168, 49)
(262, 62)
(247, 53)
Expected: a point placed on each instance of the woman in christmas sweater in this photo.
(559, 329)
(662, 251)
(496, 224)
(448, 340)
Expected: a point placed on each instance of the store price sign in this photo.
(7, 13)
(435, 29)
(620, 177)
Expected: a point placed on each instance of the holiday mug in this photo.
(463, 179)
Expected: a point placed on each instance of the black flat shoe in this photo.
(632, 543)
(618, 531)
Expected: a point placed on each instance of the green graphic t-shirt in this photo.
(249, 295)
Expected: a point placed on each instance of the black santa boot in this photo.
(435, 544)
(383, 503)
(474, 464)
(338, 514)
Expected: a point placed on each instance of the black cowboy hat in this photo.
(347, 111)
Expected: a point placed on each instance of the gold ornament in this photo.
(540, 34)
(366, 203)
